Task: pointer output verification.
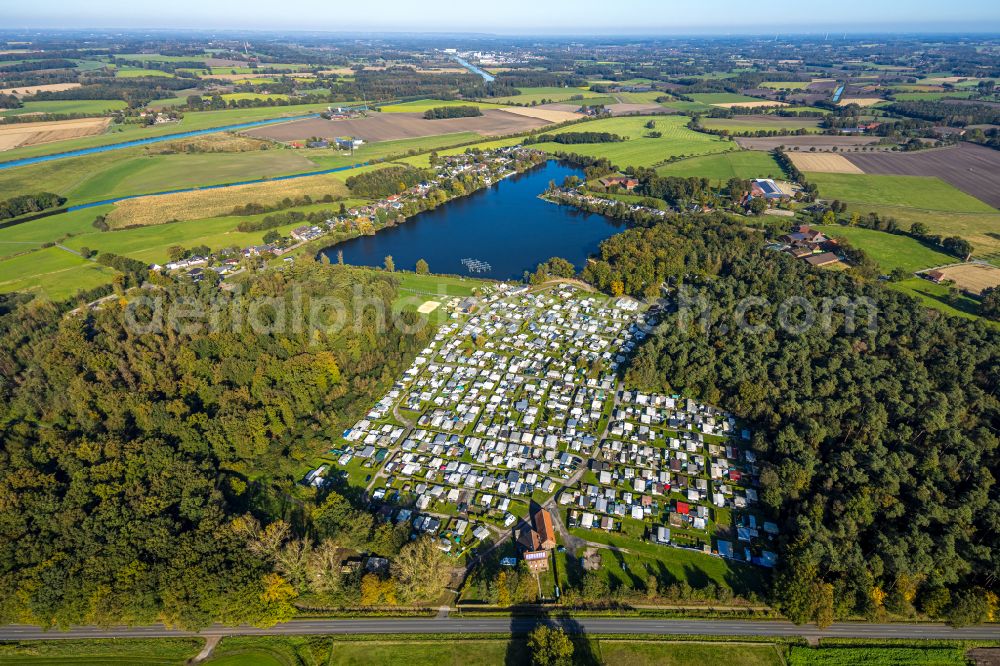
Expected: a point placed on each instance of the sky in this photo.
(534, 17)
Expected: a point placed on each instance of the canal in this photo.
(505, 225)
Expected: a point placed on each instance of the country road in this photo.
(445, 625)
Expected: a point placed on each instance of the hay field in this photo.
(973, 278)
(16, 135)
(860, 101)
(428, 307)
(550, 115)
(749, 105)
(25, 91)
(823, 162)
(151, 210)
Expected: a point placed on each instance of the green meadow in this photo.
(920, 192)
(722, 167)
(752, 124)
(640, 150)
(890, 250)
(722, 98)
(421, 105)
(90, 107)
(538, 94)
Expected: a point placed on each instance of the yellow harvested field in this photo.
(749, 105)
(551, 115)
(973, 277)
(340, 71)
(200, 204)
(945, 79)
(823, 162)
(860, 101)
(24, 91)
(428, 307)
(16, 135)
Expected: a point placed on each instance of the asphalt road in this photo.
(521, 625)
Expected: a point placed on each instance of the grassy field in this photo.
(421, 105)
(722, 167)
(875, 656)
(330, 159)
(136, 72)
(890, 250)
(31, 235)
(744, 124)
(669, 565)
(944, 209)
(52, 273)
(669, 653)
(785, 85)
(640, 150)
(548, 94)
(92, 107)
(100, 652)
(907, 191)
(195, 120)
(722, 98)
(241, 96)
(938, 297)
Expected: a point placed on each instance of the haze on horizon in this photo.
(531, 17)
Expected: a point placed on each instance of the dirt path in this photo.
(211, 640)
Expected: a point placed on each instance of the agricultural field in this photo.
(760, 122)
(786, 85)
(717, 99)
(51, 272)
(823, 162)
(549, 94)
(421, 105)
(73, 106)
(255, 96)
(890, 250)
(807, 143)
(973, 169)
(939, 297)
(669, 653)
(195, 120)
(972, 277)
(921, 192)
(137, 72)
(101, 652)
(722, 167)
(16, 137)
(146, 211)
(394, 126)
(889, 656)
(640, 150)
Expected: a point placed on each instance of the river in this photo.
(505, 225)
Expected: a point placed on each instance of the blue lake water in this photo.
(505, 225)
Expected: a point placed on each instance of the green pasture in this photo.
(548, 93)
(723, 98)
(90, 107)
(890, 250)
(52, 272)
(99, 652)
(722, 167)
(640, 150)
(919, 192)
(421, 105)
(741, 124)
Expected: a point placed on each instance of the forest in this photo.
(879, 445)
(461, 111)
(149, 473)
(383, 182)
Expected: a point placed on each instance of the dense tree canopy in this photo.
(879, 446)
(128, 457)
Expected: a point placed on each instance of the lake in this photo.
(505, 225)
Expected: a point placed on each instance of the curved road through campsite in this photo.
(520, 625)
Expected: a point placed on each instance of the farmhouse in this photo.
(822, 259)
(619, 181)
